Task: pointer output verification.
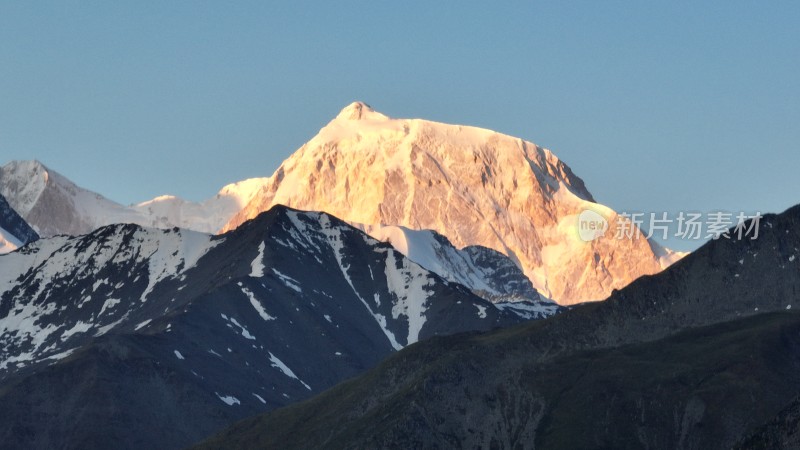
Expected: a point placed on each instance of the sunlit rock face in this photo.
(474, 186)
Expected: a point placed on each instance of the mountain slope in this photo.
(474, 186)
(698, 356)
(701, 389)
(155, 338)
(780, 432)
(54, 205)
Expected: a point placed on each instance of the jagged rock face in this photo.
(475, 186)
(487, 273)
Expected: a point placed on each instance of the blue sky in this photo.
(657, 105)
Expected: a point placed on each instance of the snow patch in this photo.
(288, 281)
(108, 304)
(257, 266)
(529, 310)
(334, 238)
(62, 355)
(105, 329)
(170, 254)
(99, 283)
(408, 283)
(256, 304)
(245, 333)
(79, 327)
(142, 324)
(22, 323)
(229, 399)
(277, 363)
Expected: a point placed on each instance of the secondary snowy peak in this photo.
(23, 182)
(472, 185)
(54, 205)
(51, 203)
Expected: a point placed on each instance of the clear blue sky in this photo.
(657, 105)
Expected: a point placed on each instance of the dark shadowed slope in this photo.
(696, 357)
(703, 388)
(783, 431)
(140, 338)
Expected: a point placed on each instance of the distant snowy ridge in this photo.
(208, 216)
(54, 205)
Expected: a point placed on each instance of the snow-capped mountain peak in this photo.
(472, 185)
(52, 204)
(24, 181)
(359, 111)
